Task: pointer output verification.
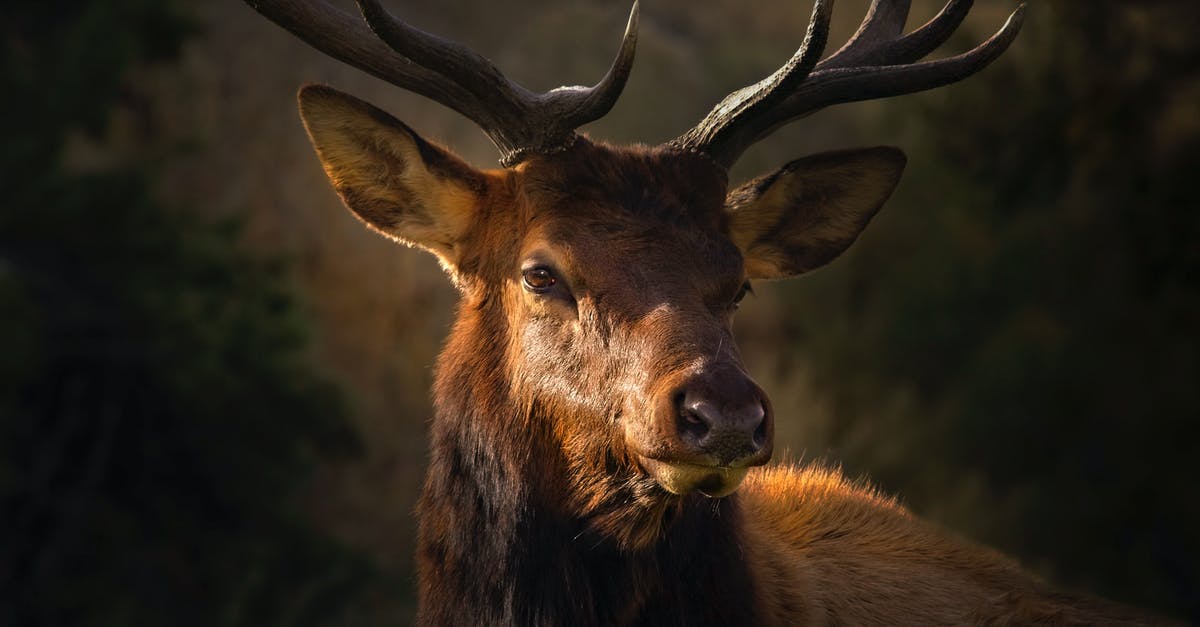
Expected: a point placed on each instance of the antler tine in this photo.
(498, 105)
(449, 58)
(518, 121)
(838, 85)
(859, 71)
(548, 120)
(345, 38)
(934, 33)
(911, 47)
(592, 103)
(883, 23)
(747, 102)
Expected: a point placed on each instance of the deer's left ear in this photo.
(805, 214)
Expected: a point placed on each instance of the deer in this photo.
(598, 450)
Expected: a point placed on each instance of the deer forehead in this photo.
(639, 216)
(644, 261)
(596, 178)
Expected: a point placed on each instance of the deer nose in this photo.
(731, 431)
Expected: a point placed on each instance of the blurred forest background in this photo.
(214, 382)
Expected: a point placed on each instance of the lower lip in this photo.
(711, 481)
(723, 483)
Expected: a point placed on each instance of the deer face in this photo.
(612, 276)
(624, 287)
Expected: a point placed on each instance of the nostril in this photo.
(760, 432)
(693, 421)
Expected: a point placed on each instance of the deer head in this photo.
(593, 345)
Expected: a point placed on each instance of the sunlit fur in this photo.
(378, 165)
(536, 509)
(808, 212)
(826, 550)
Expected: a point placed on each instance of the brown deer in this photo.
(596, 439)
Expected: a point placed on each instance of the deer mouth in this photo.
(682, 478)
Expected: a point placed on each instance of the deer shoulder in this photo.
(827, 550)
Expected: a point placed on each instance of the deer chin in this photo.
(683, 478)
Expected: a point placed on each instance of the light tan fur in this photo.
(827, 551)
(377, 167)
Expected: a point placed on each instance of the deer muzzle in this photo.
(706, 432)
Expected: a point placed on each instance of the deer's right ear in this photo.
(391, 178)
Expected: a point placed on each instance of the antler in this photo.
(518, 121)
(877, 62)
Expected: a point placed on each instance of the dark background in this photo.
(213, 381)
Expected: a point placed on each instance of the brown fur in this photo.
(542, 504)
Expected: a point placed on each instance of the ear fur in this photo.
(391, 178)
(808, 212)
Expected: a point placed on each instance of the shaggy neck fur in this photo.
(500, 545)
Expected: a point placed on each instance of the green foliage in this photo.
(157, 416)
(1019, 354)
(62, 68)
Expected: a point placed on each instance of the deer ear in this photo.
(392, 179)
(805, 214)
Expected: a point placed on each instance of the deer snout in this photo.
(706, 432)
(729, 434)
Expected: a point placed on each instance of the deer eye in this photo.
(538, 279)
(745, 289)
